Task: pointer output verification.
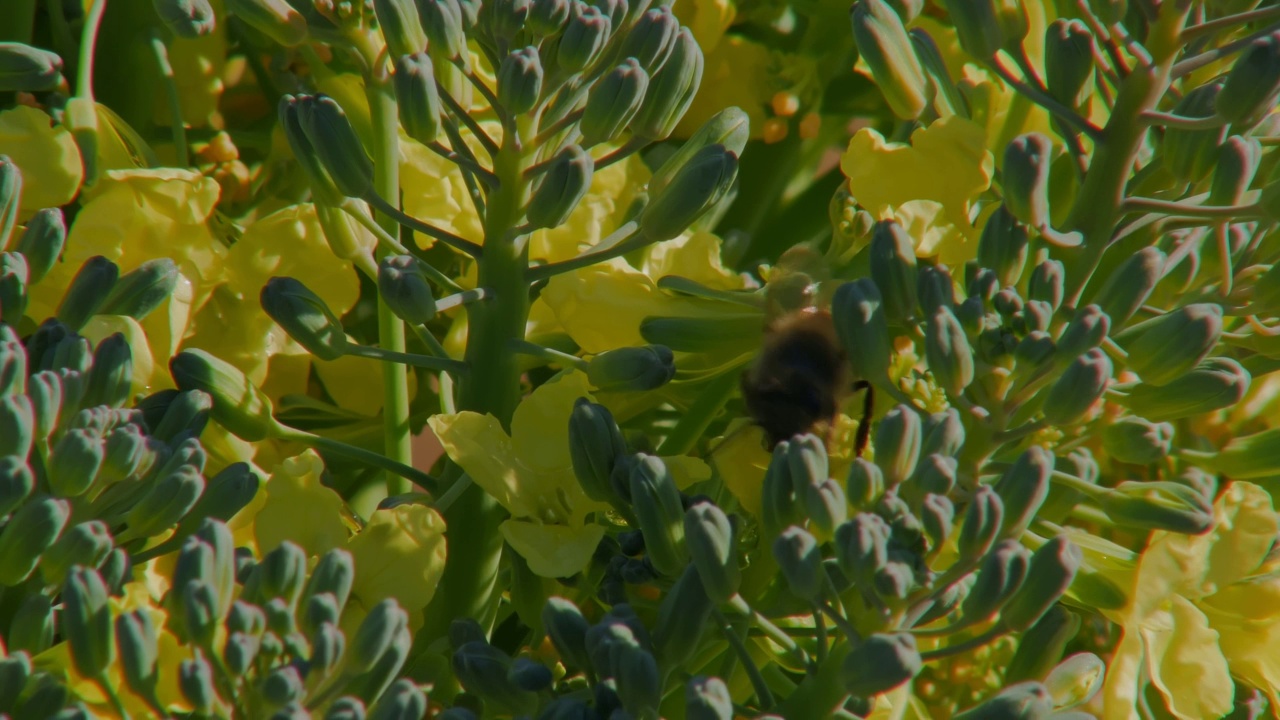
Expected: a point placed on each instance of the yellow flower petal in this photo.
(1245, 528)
(300, 509)
(552, 551)
(401, 554)
(434, 192)
(1120, 689)
(736, 73)
(100, 327)
(46, 155)
(742, 460)
(1185, 663)
(706, 19)
(481, 447)
(687, 470)
(696, 257)
(355, 383)
(540, 425)
(600, 211)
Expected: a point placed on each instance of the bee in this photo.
(801, 377)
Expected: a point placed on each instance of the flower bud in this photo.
(612, 102)
(385, 627)
(1137, 440)
(884, 45)
(864, 484)
(897, 444)
(697, 186)
(195, 680)
(31, 531)
(335, 144)
(238, 405)
(1002, 572)
(1046, 283)
(947, 350)
(482, 670)
(401, 27)
(200, 618)
(188, 19)
(658, 509)
(504, 19)
(139, 650)
(276, 19)
(443, 22)
(682, 616)
(800, 561)
(42, 242)
(893, 266)
(711, 540)
(935, 287)
(351, 708)
(584, 37)
(859, 313)
(1037, 315)
(530, 675)
(16, 483)
(1068, 59)
(978, 26)
(1214, 384)
(546, 17)
(75, 462)
(15, 670)
(825, 505)
(881, 663)
(567, 629)
(1079, 387)
(1023, 701)
(24, 68)
(652, 38)
(13, 288)
(565, 183)
(983, 520)
(404, 699)
(1003, 244)
(943, 433)
(417, 97)
(1085, 332)
(937, 515)
(935, 474)
(1165, 347)
(1052, 569)
(403, 286)
(1042, 645)
(111, 378)
(708, 698)
(595, 445)
(166, 502)
(729, 127)
(142, 290)
(796, 463)
(32, 627)
(639, 682)
(520, 80)
(226, 493)
(90, 287)
(1076, 680)
(1026, 179)
(86, 544)
(861, 546)
(1022, 489)
(671, 89)
(86, 622)
(1158, 505)
(1236, 167)
(1253, 84)
(1189, 155)
(289, 111)
(631, 369)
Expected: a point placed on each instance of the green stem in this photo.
(461, 244)
(404, 358)
(550, 355)
(353, 452)
(1170, 207)
(698, 416)
(465, 118)
(1191, 64)
(462, 298)
(463, 161)
(970, 644)
(761, 688)
(391, 244)
(1182, 122)
(1046, 101)
(620, 242)
(88, 44)
(178, 126)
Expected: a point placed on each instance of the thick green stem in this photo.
(179, 126)
(88, 44)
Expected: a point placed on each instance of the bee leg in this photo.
(864, 425)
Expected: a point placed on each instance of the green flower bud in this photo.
(935, 474)
(350, 708)
(1076, 680)
(13, 288)
(335, 144)
(708, 698)
(530, 675)
(276, 19)
(520, 80)
(31, 531)
(200, 618)
(1037, 315)
(859, 313)
(652, 38)
(1068, 59)
(166, 503)
(881, 663)
(943, 433)
(42, 242)
(505, 19)
(1159, 505)
(15, 670)
(584, 38)
(281, 574)
(290, 111)
(613, 102)
(32, 628)
(320, 609)
(861, 546)
(671, 89)
(983, 520)
(305, 317)
(884, 45)
(935, 288)
(711, 540)
(864, 484)
(188, 413)
(1236, 167)
(947, 350)
(403, 286)
(186, 18)
(595, 445)
(1022, 489)
(45, 696)
(1002, 572)
(1189, 155)
(1214, 384)
(142, 290)
(401, 28)
(327, 646)
(1014, 23)
(13, 363)
(45, 392)
(1026, 181)
(729, 127)
(443, 22)
(937, 515)
(658, 509)
(334, 575)
(698, 185)
(825, 505)
(238, 405)
(1003, 244)
(1046, 283)
(796, 463)
(638, 680)
(417, 97)
(1024, 701)
(111, 378)
(482, 670)
(977, 23)
(377, 634)
(1008, 303)
(1052, 569)
(24, 68)
(682, 616)
(1085, 332)
(632, 369)
(402, 700)
(1042, 645)
(16, 483)
(546, 17)
(1253, 85)
(893, 266)
(897, 444)
(1137, 440)
(567, 629)
(89, 289)
(86, 622)
(195, 680)
(239, 652)
(1165, 347)
(1079, 387)
(800, 561)
(139, 650)
(565, 183)
(282, 686)
(86, 544)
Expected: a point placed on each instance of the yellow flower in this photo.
(706, 19)
(400, 553)
(45, 153)
(737, 72)
(300, 509)
(529, 473)
(434, 192)
(1202, 610)
(603, 208)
